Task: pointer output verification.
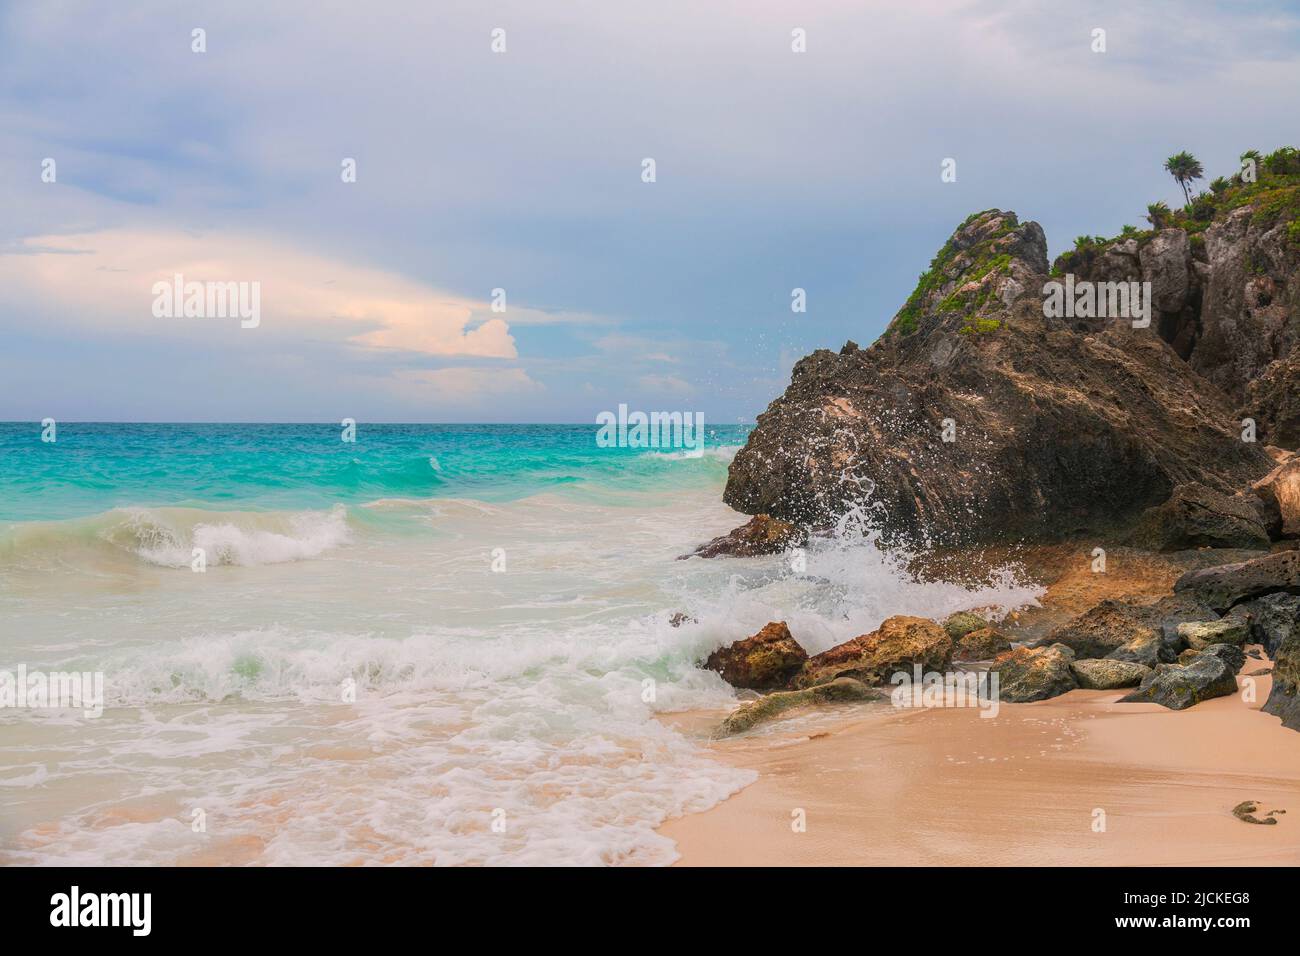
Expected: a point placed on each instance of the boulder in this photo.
(1103, 628)
(841, 690)
(1108, 675)
(1058, 427)
(768, 659)
(1284, 699)
(1271, 618)
(1280, 491)
(962, 623)
(896, 645)
(1199, 517)
(981, 645)
(1201, 634)
(762, 534)
(1034, 673)
(1230, 654)
(1178, 686)
(1228, 584)
(1140, 633)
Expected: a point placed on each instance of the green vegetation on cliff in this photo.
(960, 266)
(1274, 194)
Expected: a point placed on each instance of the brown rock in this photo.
(1228, 584)
(762, 534)
(896, 645)
(1061, 427)
(1108, 675)
(1199, 517)
(981, 645)
(1034, 673)
(1280, 491)
(768, 659)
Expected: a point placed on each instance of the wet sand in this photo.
(880, 786)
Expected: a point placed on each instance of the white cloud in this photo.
(105, 279)
(464, 385)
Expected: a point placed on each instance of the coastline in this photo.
(945, 787)
(936, 786)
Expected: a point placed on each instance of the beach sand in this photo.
(947, 787)
(883, 786)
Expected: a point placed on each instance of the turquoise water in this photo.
(373, 652)
(93, 467)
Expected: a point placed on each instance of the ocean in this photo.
(437, 644)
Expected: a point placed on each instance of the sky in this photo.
(523, 170)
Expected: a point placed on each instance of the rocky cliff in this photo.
(978, 417)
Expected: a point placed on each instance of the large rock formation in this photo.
(1226, 290)
(976, 418)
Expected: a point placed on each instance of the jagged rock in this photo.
(1230, 654)
(1167, 264)
(1273, 400)
(1201, 634)
(1280, 491)
(1139, 633)
(842, 690)
(1034, 673)
(1271, 618)
(1250, 313)
(962, 623)
(895, 646)
(1179, 686)
(1108, 675)
(1058, 429)
(1103, 628)
(1228, 584)
(762, 534)
(981, 645)
(1284, 699)
(1199, 517)
(768, 659)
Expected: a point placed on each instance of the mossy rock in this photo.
(841, 690)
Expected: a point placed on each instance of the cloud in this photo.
(464, 385)
(667, 383)
(105, 279)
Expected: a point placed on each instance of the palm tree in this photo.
(1158, 214)
(1184, 167)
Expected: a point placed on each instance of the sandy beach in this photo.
(947, 787)
(943, 786)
